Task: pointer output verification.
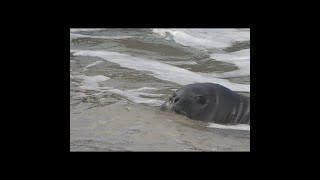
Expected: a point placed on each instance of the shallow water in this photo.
(119, 78)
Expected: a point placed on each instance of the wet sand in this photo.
(125, 127)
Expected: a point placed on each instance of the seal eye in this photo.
(200, 99)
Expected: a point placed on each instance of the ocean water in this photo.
(120, 77)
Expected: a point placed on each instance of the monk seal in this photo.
(211, 103)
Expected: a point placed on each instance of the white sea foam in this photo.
(180, 62)
(75, 36)
(89, 29)
(240, 58)
(204, 38)
(244, 127)
(134, 96)
(160, 70)
(92, 65)
(214, 38)
(91, 82)
(79, 95)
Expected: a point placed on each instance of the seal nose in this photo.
(175, 100)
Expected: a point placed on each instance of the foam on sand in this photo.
(244, 127)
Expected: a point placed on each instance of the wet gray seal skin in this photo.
(211, 103)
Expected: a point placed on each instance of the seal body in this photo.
(210, 102)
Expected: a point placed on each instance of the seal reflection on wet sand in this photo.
(211, 103)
